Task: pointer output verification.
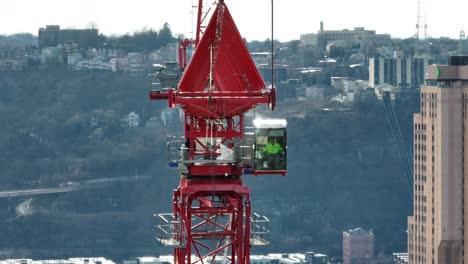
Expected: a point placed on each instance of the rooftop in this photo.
(97, 260)
(359, 232)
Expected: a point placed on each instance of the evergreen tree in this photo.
(165, 35)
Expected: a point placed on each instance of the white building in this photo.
(400, 258)
(315, 92)
(95, 64)
(96, 260)
(52, 54)
(131, 120)
(12, 64)
(136, 63)
(381, 89)
(291, 258)
(170, 116)
(347, 87)
(309, 39)
(119, 64)
(156, 260)
(73, 59)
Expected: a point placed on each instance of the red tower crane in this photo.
(212, 215)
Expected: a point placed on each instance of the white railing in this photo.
(170, 231)
(259, 230)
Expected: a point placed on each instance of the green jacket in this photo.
(272, 148)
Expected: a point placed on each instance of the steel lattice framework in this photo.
(211, 207)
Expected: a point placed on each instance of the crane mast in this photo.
(212, 215)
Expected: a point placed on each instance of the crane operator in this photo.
(273, 151)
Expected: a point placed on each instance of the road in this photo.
(73, 186)
(16, 193)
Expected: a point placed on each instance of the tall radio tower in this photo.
(420, 27)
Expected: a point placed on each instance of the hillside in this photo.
(62, 126)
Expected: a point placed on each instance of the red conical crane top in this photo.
(221, 72)
(233, 68)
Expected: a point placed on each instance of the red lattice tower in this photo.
(211, 207)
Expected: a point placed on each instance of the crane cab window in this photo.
(270, 145)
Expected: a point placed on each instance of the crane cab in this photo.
(270, 146)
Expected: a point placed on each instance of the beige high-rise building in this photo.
(436, 233)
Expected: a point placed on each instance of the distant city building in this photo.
(309, 39)
(52, 56)
(119, 64)
(316, 258)
(293, 258)
(12, 64)
(386, 51)
(400, 71)
(314, 76)
(315, 92)
(73, 59)
(131, 120)
(335, 49)
(93, 260)
(280, 72)
(287, 90)
(358, 38)
(462, 44)
(169, 53)
(358, 246)
(165, 259)
(94, 64)
(261, 57)
(170, 75)
(136, 63)
(358, 35)
(52, 35)
(400, 258)
(340, 83)
(437, 230)
(13, 60)
(347, 88)
(102, 118)
(153, 122)
(171, 117)
(382, 89)
(357, 58)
